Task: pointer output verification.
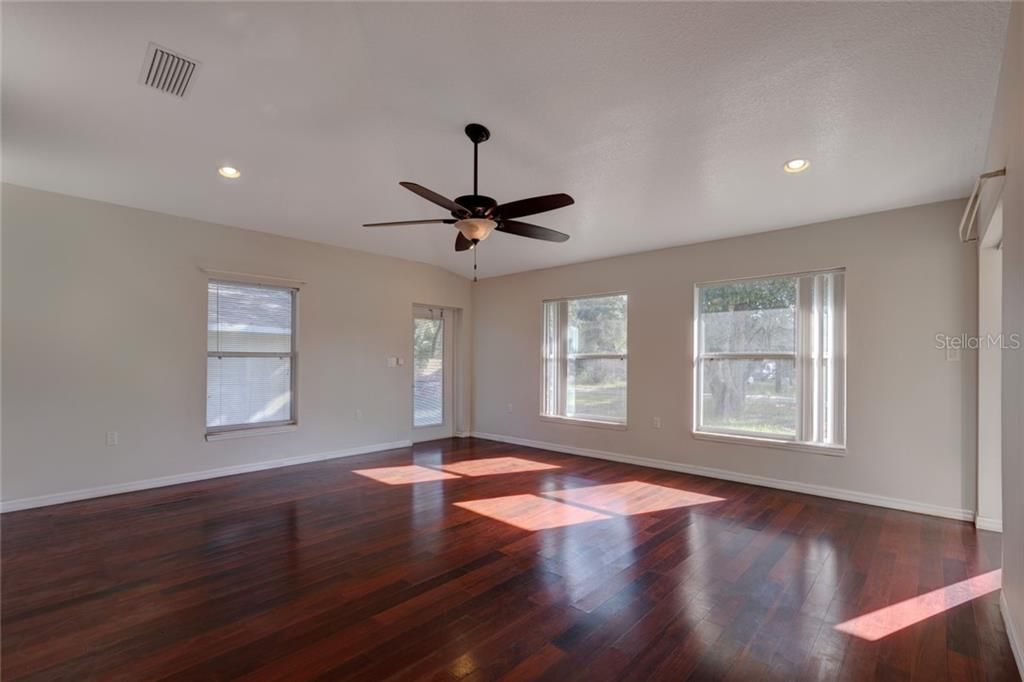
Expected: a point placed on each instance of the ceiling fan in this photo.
(475, 216)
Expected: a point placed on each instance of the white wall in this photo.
(104, 315)
(911, 413)
(1006, 148)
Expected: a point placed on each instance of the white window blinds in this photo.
(250, 365)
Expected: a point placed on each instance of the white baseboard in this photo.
(988, 523)
(724, 474)
(132, 486)
(1016, 645)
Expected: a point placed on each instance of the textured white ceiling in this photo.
(667, 122)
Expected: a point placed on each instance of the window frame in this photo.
(806, 356)
(562, 359)
(258, 428)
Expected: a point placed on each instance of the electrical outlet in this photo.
(508, 408)
(112, 438)
(657, 422)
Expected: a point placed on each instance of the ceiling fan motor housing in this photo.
(477, 203)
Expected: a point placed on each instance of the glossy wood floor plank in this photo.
(427, 563)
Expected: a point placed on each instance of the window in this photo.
(250, 356)
(770, 359)
(585, 359)
(428, 370)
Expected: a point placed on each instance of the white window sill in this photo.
(248, 433)
(572, 421)
(832, 450)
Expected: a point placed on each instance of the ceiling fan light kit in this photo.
(476, 229)
(476, 216)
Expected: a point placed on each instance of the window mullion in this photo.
(563, 357)
(805, 359)
(838, 333)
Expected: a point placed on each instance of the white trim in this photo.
(1016, 646)
(988, 523)
(146, 484)
(799, 446)
(250, 431)
(579, 421)
(777, 275)
(725, 475)
(249, 278)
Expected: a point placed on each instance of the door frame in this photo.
(447, 428)
(988, 512)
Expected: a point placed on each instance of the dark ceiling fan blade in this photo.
(533, 205)
(427, 221)
(531, 231)
(462, 244)
(436, 198)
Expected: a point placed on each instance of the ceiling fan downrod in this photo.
(476, 134)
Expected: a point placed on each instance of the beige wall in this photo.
(104, 315)
(911, 413)
(1006, 148)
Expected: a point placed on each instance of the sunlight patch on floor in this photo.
(885, 621)
(495, 465)
(632, 497)
(531, 512)
(404, 474)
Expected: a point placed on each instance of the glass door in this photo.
(432, 373)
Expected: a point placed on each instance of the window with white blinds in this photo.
(771, 359)
(250, 358)
(585, 358)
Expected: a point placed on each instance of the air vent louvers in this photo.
(167, 70)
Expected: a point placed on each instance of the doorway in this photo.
(990, 419)
(433, 372)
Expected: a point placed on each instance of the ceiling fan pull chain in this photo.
(474, 262)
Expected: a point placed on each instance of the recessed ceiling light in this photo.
(796, 165)
(229, 172)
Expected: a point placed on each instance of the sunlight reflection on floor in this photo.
(632, 497)
(885, 621)
(530, 512)
(495, 465)
(404, 474)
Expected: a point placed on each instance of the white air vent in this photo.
(167, 71)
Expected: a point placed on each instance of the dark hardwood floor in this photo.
(475, 560)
